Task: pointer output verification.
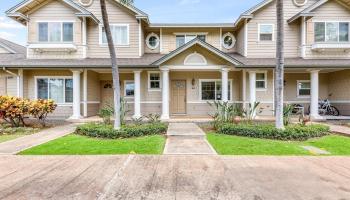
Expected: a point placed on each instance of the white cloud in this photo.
(186, 2)
(6, 35)
(6, 23)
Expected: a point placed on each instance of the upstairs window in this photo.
(120, 34)
(183, 39)
(266, 32)
(55, 31)
(331, 31)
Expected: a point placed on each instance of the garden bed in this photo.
(268, 131)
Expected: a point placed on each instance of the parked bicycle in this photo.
(325, 108)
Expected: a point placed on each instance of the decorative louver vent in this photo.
(300, 2)
(86, 2)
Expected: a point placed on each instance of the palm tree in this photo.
(279, 71)
(115, 70)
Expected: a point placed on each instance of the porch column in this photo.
(165, 94)
(224, 81)
(76, 95)
(314, 95)
(20, 83)
(137, 95)
(252, 87)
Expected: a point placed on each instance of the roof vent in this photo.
(86, 2)
(300, 2)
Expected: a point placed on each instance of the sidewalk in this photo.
(187, 139)
(29, 141)
(343, 130)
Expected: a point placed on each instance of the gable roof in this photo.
(308, 11)
(16, 51)
(201, 43)
(18, 16)
(249, 13)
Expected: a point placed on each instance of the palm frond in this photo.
(127, 2)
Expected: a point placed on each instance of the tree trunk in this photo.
(115, 70)
(279, 71)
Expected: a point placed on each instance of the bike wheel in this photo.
(333, 111)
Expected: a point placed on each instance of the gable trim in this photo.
(8, 49)
(192, 43)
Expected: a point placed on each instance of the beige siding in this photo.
(54, 11)
(267, 15)
(240, 41)
(331, 11)
(11, 86)
(2, 84)
(169, 37)
(117, 15)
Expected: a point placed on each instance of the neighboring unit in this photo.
(175, 69)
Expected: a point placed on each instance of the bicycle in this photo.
(325, 108)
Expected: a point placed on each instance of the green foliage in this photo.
(268, 131)
(107, 131)
(137, 121)
(123, 110)
(224, 112)
(287, 114)
(153, 118)
(106, 113)
(250, 113)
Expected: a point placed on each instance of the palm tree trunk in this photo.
(115, 70)
(279, 71)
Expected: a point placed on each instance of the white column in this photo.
(76, 95)
(303, 37)
(165, 94)
(224, 84)
(137, 95)
(84, 38)
(245, 53)
(252, 87)
(20, 83)
(85, 93)
(314, 95)
(244, 88)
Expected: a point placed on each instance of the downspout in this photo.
(13, 74)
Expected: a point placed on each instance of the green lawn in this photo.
(81, 145)
(234, 145)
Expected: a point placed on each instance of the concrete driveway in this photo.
(174, 177)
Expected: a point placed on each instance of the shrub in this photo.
(268, 131)
(107, 131)
(13, 110)
(106, 113)
(224, 112)
(153, 118)
(41, 108)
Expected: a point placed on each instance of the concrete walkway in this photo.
(29, 141)
(174, 177)
(343, 130)
(187, 139)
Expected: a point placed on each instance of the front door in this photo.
(178, 97)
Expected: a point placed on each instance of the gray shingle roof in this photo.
(145, 61)
(17, 51)
(291, 62)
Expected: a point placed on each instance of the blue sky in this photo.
(160, 11)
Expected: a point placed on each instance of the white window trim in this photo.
(265, 80)
(48, 32)
(117, 45)
(273, 32)
(303, 96)
(300, 4)
(48, 90)
(325, 31)
(147, 41)
(188, 34)
(205, 62)
(213, 80)
(149, 81)
(125, 82)
(234, 40)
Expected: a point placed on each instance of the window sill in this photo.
(261, 89)
(54, 47)
(304, 97)
(154, 90)
(329, 46)
(117, 46)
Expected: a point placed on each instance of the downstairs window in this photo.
(58, 89)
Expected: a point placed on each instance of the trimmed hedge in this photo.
(268, 131)
(100, 130)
